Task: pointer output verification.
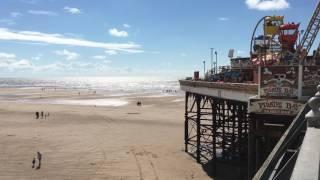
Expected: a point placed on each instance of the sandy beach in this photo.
(114, 139)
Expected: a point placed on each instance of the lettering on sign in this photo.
(275, 106)
(279, 82)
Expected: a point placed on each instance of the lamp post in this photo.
(204, 69)
(216, 68)
(212, 64)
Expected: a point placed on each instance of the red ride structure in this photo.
(288, 36)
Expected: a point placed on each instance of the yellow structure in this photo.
(272, 24)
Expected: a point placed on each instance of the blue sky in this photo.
(130, 37)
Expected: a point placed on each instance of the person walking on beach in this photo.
(41, 114)
(37, 115)
(33, 162)
(39, 157)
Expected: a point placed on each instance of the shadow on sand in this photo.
(226, 170)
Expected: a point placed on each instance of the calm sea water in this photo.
(110, 85)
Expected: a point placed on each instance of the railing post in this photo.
(313, 116)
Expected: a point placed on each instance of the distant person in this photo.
(139, 103)
(37, 115)
(39, 157)
(41, 114)
(33, 162)
(78, 93)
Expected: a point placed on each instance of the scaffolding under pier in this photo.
(217, 123)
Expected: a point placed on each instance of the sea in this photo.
(112, 86)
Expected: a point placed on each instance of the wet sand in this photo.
(93, 142)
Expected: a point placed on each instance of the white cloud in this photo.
(57, 66)
(99, 57)
(21, 64)
(15, 14)
(42, 12)
(265, 5)
(10, 62)
(134, 51)
(223, 19)
(126, 25)
(67, 54)
(32, 36)
(72, 10)
(117, 33)
(7, 21)
(111, 52)
(6, 56)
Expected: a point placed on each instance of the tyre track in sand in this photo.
(144, 164)
(138, 164)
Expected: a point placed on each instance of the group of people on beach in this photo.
(169, 91)
(42, 115)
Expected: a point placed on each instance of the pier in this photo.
(238, 125)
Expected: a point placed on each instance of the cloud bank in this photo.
(58, 39)
(67, 54)
(265, 5)
(42, 12)
(10, 62)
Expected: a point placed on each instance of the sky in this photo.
(165, 38)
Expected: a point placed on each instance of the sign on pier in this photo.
(275, 106)
(279, 82)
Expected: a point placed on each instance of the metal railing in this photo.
(308, 162)
(282, 162)
(275, 166)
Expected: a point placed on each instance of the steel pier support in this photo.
(216, 129)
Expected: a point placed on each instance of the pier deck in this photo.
(232, 91)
